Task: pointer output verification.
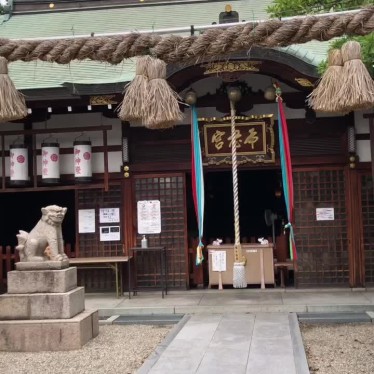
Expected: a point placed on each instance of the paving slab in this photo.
(326, 298)
(260, 343)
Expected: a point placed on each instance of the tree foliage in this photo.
(287, 8)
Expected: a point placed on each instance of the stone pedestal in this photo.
(44, 311)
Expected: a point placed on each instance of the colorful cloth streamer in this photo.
(197, 181)
(285, 156)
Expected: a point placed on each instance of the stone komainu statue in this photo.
(44, 242)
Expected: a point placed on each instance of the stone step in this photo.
(42, 306)
(42, 281)
(49, 335)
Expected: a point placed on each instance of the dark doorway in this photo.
(259, 190)
(22, 211)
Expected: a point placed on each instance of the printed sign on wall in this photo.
(149, 217)
(86, 221)
(325, 214)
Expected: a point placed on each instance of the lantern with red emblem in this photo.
(82, 160)
(50, 163)
(19, 164)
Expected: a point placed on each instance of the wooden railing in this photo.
(8, 257)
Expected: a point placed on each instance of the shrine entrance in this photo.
(260, 191)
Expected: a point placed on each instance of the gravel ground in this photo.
(117, 349)
(339, 348)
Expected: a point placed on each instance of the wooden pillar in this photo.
(372, 146)
(371, 129)
(128, 196)
(355, 247)
(31, 145)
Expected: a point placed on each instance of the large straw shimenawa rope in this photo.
(212, 43)
(239, 278)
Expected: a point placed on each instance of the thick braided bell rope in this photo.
(238, 254)
(212, 43)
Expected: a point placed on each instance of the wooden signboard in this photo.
(254, 140)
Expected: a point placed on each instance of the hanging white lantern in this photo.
(82, 160)
(19, 164)
(50, 163)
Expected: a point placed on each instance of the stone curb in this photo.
(252, 308)
(301, 362)
(153, 358)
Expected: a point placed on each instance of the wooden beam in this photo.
(57, 130)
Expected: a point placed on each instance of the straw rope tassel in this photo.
(134, 100)
(12, 102)
(161, 110)
(239, 280)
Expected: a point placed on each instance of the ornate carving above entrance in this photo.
(231, 67)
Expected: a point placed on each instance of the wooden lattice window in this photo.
(322, 245)
(89, 244)
(367, 203)
(170, 190)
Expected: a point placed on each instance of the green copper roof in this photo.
(38, 74)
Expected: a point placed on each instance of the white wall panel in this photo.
(361, 123)
(363, 150)
(114, 162)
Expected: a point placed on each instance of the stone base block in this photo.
(42, 265)
(42, 305)
(49, 335)
(42, 281)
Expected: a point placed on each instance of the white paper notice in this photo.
(109, 215)
(219, 261)
(86, 220)
(325, 214)
(149, 217)
(109, 233)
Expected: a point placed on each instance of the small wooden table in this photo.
(157, 257)
(115, 263)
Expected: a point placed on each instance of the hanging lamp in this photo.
(19, 163)
(50, 162)
(82, 160)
